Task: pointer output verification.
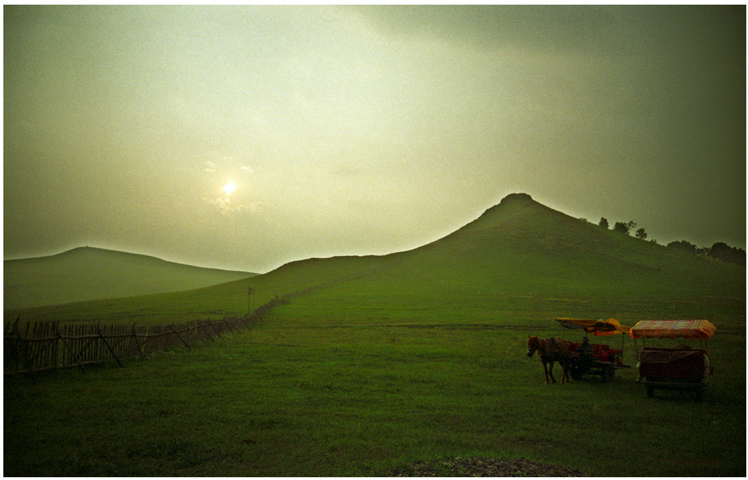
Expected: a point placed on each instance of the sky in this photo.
(244, 137)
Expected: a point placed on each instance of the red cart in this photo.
(682, 367)
(599, 359)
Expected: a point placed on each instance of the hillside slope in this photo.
(517, 253)
(523, 246)
(521, 253)
(87, 273)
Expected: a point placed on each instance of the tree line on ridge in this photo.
(719, 251)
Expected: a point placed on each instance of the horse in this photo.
(551, 350)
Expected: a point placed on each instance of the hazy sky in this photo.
(363, 130)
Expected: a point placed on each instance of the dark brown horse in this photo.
(551, 350)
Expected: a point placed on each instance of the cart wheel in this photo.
(650, 391)
(609, 373)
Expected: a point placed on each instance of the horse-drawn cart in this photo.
(595, 359)
(674, 368)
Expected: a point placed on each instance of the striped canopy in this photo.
(598, 328)
(690, 329)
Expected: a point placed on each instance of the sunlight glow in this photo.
(229, 188)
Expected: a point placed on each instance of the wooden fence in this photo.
(48, 345)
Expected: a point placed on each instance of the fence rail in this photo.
(48, 345)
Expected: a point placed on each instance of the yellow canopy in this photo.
(598, 328)
(690, 329)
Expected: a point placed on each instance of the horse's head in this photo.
(532, 345)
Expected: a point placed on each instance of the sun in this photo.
(229, 188)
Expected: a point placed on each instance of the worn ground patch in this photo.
(484, 467)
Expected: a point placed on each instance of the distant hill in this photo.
(520, 249)
(88, 273)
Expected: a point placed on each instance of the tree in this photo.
(604, 223)
(725, 253)
(624, 227)
(641, 234)
(683, 245)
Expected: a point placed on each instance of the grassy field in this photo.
(292, 398)
(410, 357)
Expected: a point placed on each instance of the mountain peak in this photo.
(516, 197)
(511, 205)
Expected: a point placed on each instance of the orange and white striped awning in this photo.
(690, 329)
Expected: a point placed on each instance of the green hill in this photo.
(517, 250)
(85, 273)
(521, 250)
(523, 247)
(391, 361)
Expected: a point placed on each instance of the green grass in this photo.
(292, 399)
(415, 356)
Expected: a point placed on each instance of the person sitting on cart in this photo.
(586, 352)
(585, 348)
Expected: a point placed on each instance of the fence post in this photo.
(26, 349)
(75, 354)
(214, 328)
(137, 342)
(111, 350)
(199, 324)
(14, 328)
(180, 337)
(15, 345)
(228, 324)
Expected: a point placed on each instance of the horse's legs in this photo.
(550, 372)
(545, 368)
(565, 369)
